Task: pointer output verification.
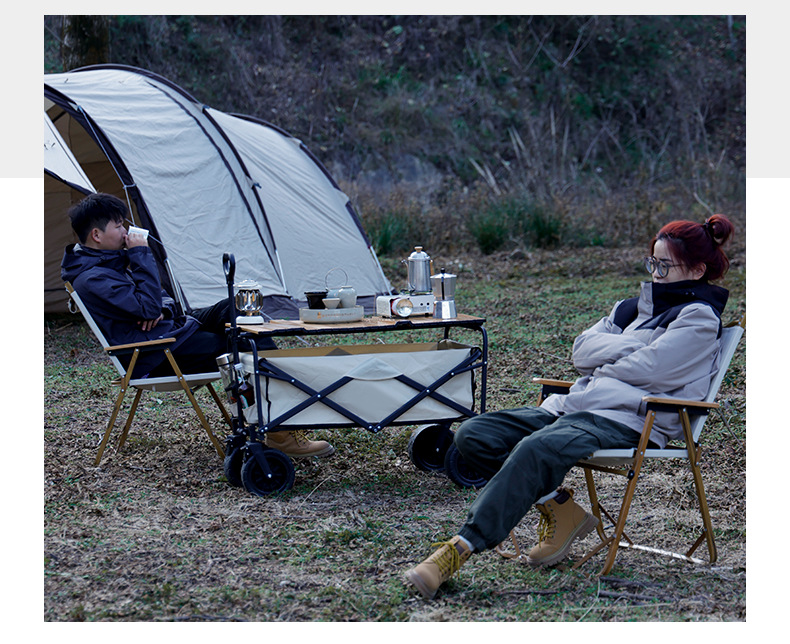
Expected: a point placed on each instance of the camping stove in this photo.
(405, 304)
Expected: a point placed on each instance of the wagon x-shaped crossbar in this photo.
(322, 396)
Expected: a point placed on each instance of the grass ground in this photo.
(156, 534)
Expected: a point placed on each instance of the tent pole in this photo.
(282, 272)
(176, 286)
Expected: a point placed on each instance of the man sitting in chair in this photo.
(115, 274)
(663, 343)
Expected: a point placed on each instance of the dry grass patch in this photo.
(156, 534)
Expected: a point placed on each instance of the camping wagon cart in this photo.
(370, 386)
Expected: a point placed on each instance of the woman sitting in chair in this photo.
(663, 343)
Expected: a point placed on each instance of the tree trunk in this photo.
(86, 41)
(271, 37)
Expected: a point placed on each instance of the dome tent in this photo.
(204, 183)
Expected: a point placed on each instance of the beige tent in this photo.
(204, 183)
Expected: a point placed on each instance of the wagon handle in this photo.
(229, 266)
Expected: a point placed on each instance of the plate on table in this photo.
(331, 316)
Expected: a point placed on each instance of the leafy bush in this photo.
(390, 233)
(488, 230)
(515, 220)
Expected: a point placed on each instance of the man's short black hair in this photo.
(96, 211)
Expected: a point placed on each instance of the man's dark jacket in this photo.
(121, 288)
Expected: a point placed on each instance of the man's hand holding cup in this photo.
(136, 237)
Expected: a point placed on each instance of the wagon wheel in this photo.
(459, 472)
(232, 466)
(257, 482)
(427, 446)
(234, 457)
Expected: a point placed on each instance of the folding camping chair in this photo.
(179, 381)
(628, 462)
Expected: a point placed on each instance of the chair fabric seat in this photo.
(614, 457)
(171, 383)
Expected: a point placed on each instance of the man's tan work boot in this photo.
(439, 567)
(561, 521)
(296, 444)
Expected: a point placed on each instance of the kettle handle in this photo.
(332, 270)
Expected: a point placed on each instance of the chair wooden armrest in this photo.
(567, 384)
(147, 344)
(673, 404)
(548, 387)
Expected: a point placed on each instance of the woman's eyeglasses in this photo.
(658, 266)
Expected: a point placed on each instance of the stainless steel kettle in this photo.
(419, 278)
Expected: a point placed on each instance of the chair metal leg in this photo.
(138, 394)
(196, 407)
(592, 492)
(633, 479)
(619, 538)
(124, 385)
(111, 424)
(707, 525)
(502, 550)
(613, 541)
(599, 512)
(220, 405)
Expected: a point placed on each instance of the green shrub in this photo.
(515, 220)
(488, 229)
(539, 228)
(390, 233)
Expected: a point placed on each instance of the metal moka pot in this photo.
(419, 278)
(443, 286)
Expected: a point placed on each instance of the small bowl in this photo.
(314, 299)
(331, 302)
